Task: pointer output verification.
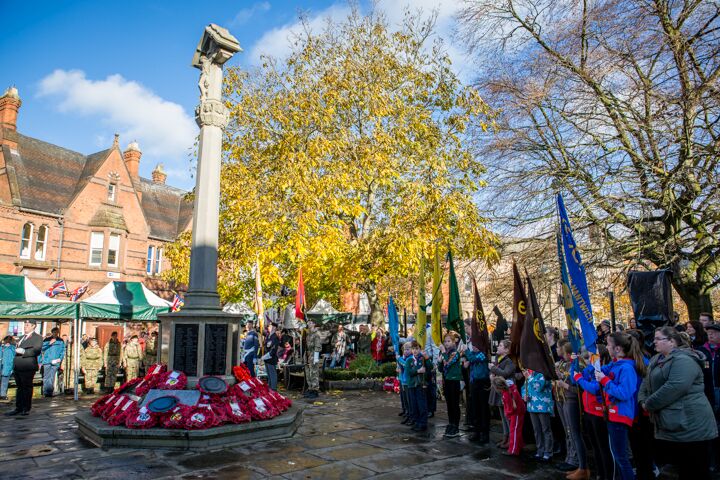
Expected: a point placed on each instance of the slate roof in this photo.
(46, 178)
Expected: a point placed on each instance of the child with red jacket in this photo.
(514, 408)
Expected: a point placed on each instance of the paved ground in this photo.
(347, 436)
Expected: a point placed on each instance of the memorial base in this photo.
(201, 342)
(100, 434)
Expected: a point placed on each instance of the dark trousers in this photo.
(469, 412)
(479, 396)
(419, 406)
(597, 431)
(618, 434)
(452, 398)
(641, 445)
(404, 400)
(431, 397)
(691, 458)
(250, 363)
(24, 382)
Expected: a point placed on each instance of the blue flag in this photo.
(578, 281)
(393, 325)
(568, 304)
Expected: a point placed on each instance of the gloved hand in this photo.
(19, 351)
(56, 361)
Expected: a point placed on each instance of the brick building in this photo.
(65, 215)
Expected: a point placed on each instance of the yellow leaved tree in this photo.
(349, 159)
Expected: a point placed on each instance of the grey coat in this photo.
(673, 393)
(505, 368)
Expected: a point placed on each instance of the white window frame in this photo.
(43, 244)
(111, 239)
(158, 261)
(150, 259)
(28, 239)
(112, 192)
(101, 248)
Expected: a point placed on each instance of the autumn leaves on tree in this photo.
(349, 159)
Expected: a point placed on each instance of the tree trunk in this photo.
(695, 300)
(377, 317)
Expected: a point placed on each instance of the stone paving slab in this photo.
(344, 436)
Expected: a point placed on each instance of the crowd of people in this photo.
(632, 408)
(22, 358)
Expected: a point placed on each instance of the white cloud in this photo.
(276, 42)
(163, 129)
(244, 15)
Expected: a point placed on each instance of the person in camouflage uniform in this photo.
(131, 358)
(91, 361)
(111, 359)
(312, 360)
(151, 350)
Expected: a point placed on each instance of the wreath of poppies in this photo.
(156, 369)
(241, 372)
(175, 380)
(97, 408)
(112, 407)
(236, 411)
(201, 417)
(120, 414)
(140, 418)
(128, 386)
(176, 417)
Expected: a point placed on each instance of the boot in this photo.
(579, 474)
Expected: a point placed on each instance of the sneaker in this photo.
(454, 432)
(547, 458)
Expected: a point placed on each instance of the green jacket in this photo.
(452, 367)
(673, 393)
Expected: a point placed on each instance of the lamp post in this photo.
(611, 298)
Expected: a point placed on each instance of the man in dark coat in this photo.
(26, 365)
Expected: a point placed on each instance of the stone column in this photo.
(215, 48)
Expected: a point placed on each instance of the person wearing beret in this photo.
(26, 365)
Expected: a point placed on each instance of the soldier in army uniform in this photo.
(131, 358)
(111, 359)
(91, 361)
(312, 360)
(151, 350)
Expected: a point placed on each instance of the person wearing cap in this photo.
(26, 365)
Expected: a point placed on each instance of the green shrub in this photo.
(362, 367)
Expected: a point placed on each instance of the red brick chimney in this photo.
(9, 106)
(132, 156)
(158, 175)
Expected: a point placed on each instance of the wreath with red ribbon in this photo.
(200, 417)
(175, 380)
(119, 416)
(130, 385)
(260, 408)
(97, 408)
(112, 407)
(236, 411)
(140, 418)
(176, 417)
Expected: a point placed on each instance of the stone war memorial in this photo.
(199, 395)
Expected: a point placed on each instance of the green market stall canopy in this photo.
(19, 298)
(323, 313)
(124, 301)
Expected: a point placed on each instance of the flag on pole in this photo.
(479, 335)
(56, 289)
(567, 301)
(421, 319)
(454, 318)
(534, 351)
(393, 326)
(577, 280)
(177, 303)
(519, 312)
(437, 301)
(501, 325)
(300, 297)
(258, 297)
(79, 292)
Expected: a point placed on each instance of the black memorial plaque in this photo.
(215, 349)
(186, 348)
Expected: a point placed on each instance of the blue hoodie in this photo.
(56, 351)
(7, 360)
(403, 377)
(619, 389)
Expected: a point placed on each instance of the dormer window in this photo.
(112, 192)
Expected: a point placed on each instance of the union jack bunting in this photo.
(56, 289)
(177, 303)
(78, 292)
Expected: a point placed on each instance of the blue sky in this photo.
(88, 69)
